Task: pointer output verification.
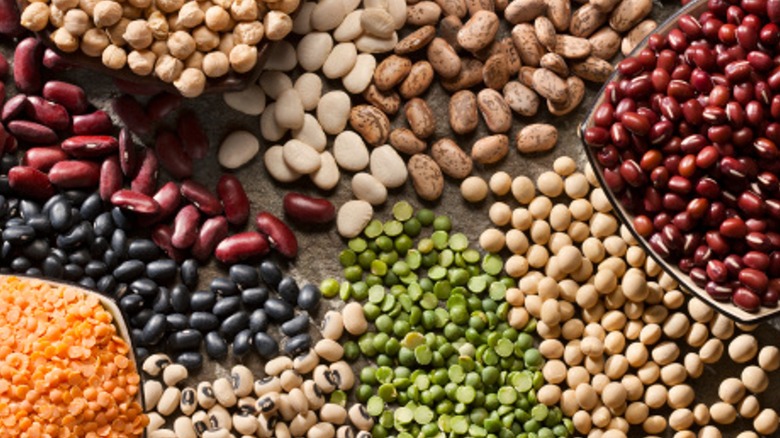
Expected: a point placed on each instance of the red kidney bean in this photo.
(699, 276)
(72, 97)
(201, 197)
(161, 236)
(42, 158)
(90, 146)
(10, 23)
(172, 155)
(30, 182)
(14, 107)
(145, 180)
(135, 202)
(132, 114)
(185, 227)
(192, 135)
(128, 155)
(48, 113)
(213, 231)
(27, 65)
(751, 204)
(110, 178)
(307, 209)
(31, 132)
(234, 199)
(73, 174)
(169, 198)
(690, 26)
(280, 236)
(55, 62)
(162, 104)
(241, 246)
(94, 123)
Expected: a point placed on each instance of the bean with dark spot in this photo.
(298, 344)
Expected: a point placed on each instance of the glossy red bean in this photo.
(42, 158)
(756, 260)
(56, 62)
(241, 246)
(72, 97)
(169, 198)
(596, 136)
(213, 231)
(27, 65)
(172, 155)
(201, 197)
(48, 113)
(719, 292)
(136, 202)
(10, 23)
(94, 123)
(734, 228)
(632, 174)
(307, 209)
(30, 182)
(162, 104)
(185, 227)
(110, 178)
(280, 236)
(234, 199)
(603, 116)
(756, 280)
(145, 180)
(657, 244)
(128, 154)
(697, 208)
(717, 272)
(73, 174)
(699, 276)
(31, 132)
(14, 107)
(161, 236)
(132, 114)
(90, 146)
(193, 137)
(690, 26)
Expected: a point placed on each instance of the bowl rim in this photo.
(726, 308)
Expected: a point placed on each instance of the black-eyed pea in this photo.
(304, 363)
(267, 384)
(223, 391)
(329, 350)
(313, 394)
(286, 411)
(290, 379)
(321, 430)
(173, 374)
(300, 423)
(359, 417)
(324, 379)
(278, 365)
(156, 421)
(343, 375)
(153, 390)
(354, 319)
(268, 403)
(333, 413)
(244, 423)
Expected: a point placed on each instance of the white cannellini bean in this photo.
(250, 101)
(367, 188)
(269, 129)
(397, 9)
(333, 111)
(274, 83)
(340, 61)
(289, 110)
(328, 14)
(350, 151)
(301, 157)
(302, 21)
(313, 50)
(372, 44)
(388, 167)
(281, 57)
(328, 175)
(276, 166)
(309, 87)
(352, 217)
(311, 133)
(359, 78)
(237, 149)
(350, 28)
(351, 5)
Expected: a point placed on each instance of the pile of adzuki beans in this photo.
(687, 138)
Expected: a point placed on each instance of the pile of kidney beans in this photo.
(687, 138)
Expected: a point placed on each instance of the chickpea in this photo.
(217, 19)
(169, 6)
(286, 6)
(93, 42)
(115, 33)
(131, 12)
(158, 25)
(35, 16)
(114, 57)
(76, 22)
(159, 48)
(88, 6)
(190, 15)
(64, 40)
(277, 25)
(168, 68)
(206, 40)
(141, 62)
(243, 58)
(226, 43)
(64, 5)
(140, 4)
(191, 82)
(194, 61)
(107, 13)
(181, 44)
(246, 10)
(56, 16)
(138, 34)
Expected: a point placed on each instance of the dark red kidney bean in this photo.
(608, 156)
(27, 65)
(30, 182)
(192, 135)
(653, 201)
(643, 225)
(135, 202)
(719, 96)
(746, 299)
(14, 107)
(769, 34)
(56, 62)
(128, 155)
(90, 146)
(48, 113)
(234, 199)
(42, 158)
(132, 114)
(680, 185)
(756, 225)
(31, 132)
(169, 199)
(650, 160)
(185, 227)
(671, 109)
(94, 123)
(719, 292)
(629, 66)
(73, 174)
(201, 197)
(241, 246)
(770, 298)
(213, 231)
(702, 255)
(708, 188)
(307, 209)
(619, 135)
(280, 236)
(161, 236)
(758, 241)
(145, 180)
(110, 178)
(661, 132)
(614, 181)
(707, 157)
(162, 104)
(72, 97)
(701, 81)
(716, 242)
(658, 245)
(697, 208)
(714, 115)
(10, 22)
(172, 155)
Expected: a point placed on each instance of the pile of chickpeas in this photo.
(622, 342)
(183, 43)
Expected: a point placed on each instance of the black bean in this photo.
(309, 297)
(53, 268)
(60, 216)
(33, 272)
(78, 236)
(187, 339)
(154, 329)
(91, 207)
(271, 273)
(111, 259)
(46, 205)
(106, 284)
(28, 208)
(288, 290)
(180, 298)
(71, 271)
(265, 345)
(129, 270)
(278, 310)
(202, 301)
(192, 360)
(95, 269)
(226, 306)
(234, 324)
(40, 224)
(76, 215)
(137, 335)
(254, 297)
(88, 283)
(131, 303)
(5, 186)
(297, 344)
(162, 271)
(104, 225)
(6, 251)
(144, 250)
(242, 343)
(59, 254)
(162, 302)
(19, 234)
(244, 276)
(216, 347)
(99, 247)
(14, 222)
(189, 273)
(144, 287)
(141, 353)
(36, 250)
(80, 257)
(140, 319)
(223, 286)
(12, 207)
(120, 219)
(77, 197)
(203, 321)
(258, 321)
(177, 321)
(297, 325)
(20, 264)
(119, 242)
